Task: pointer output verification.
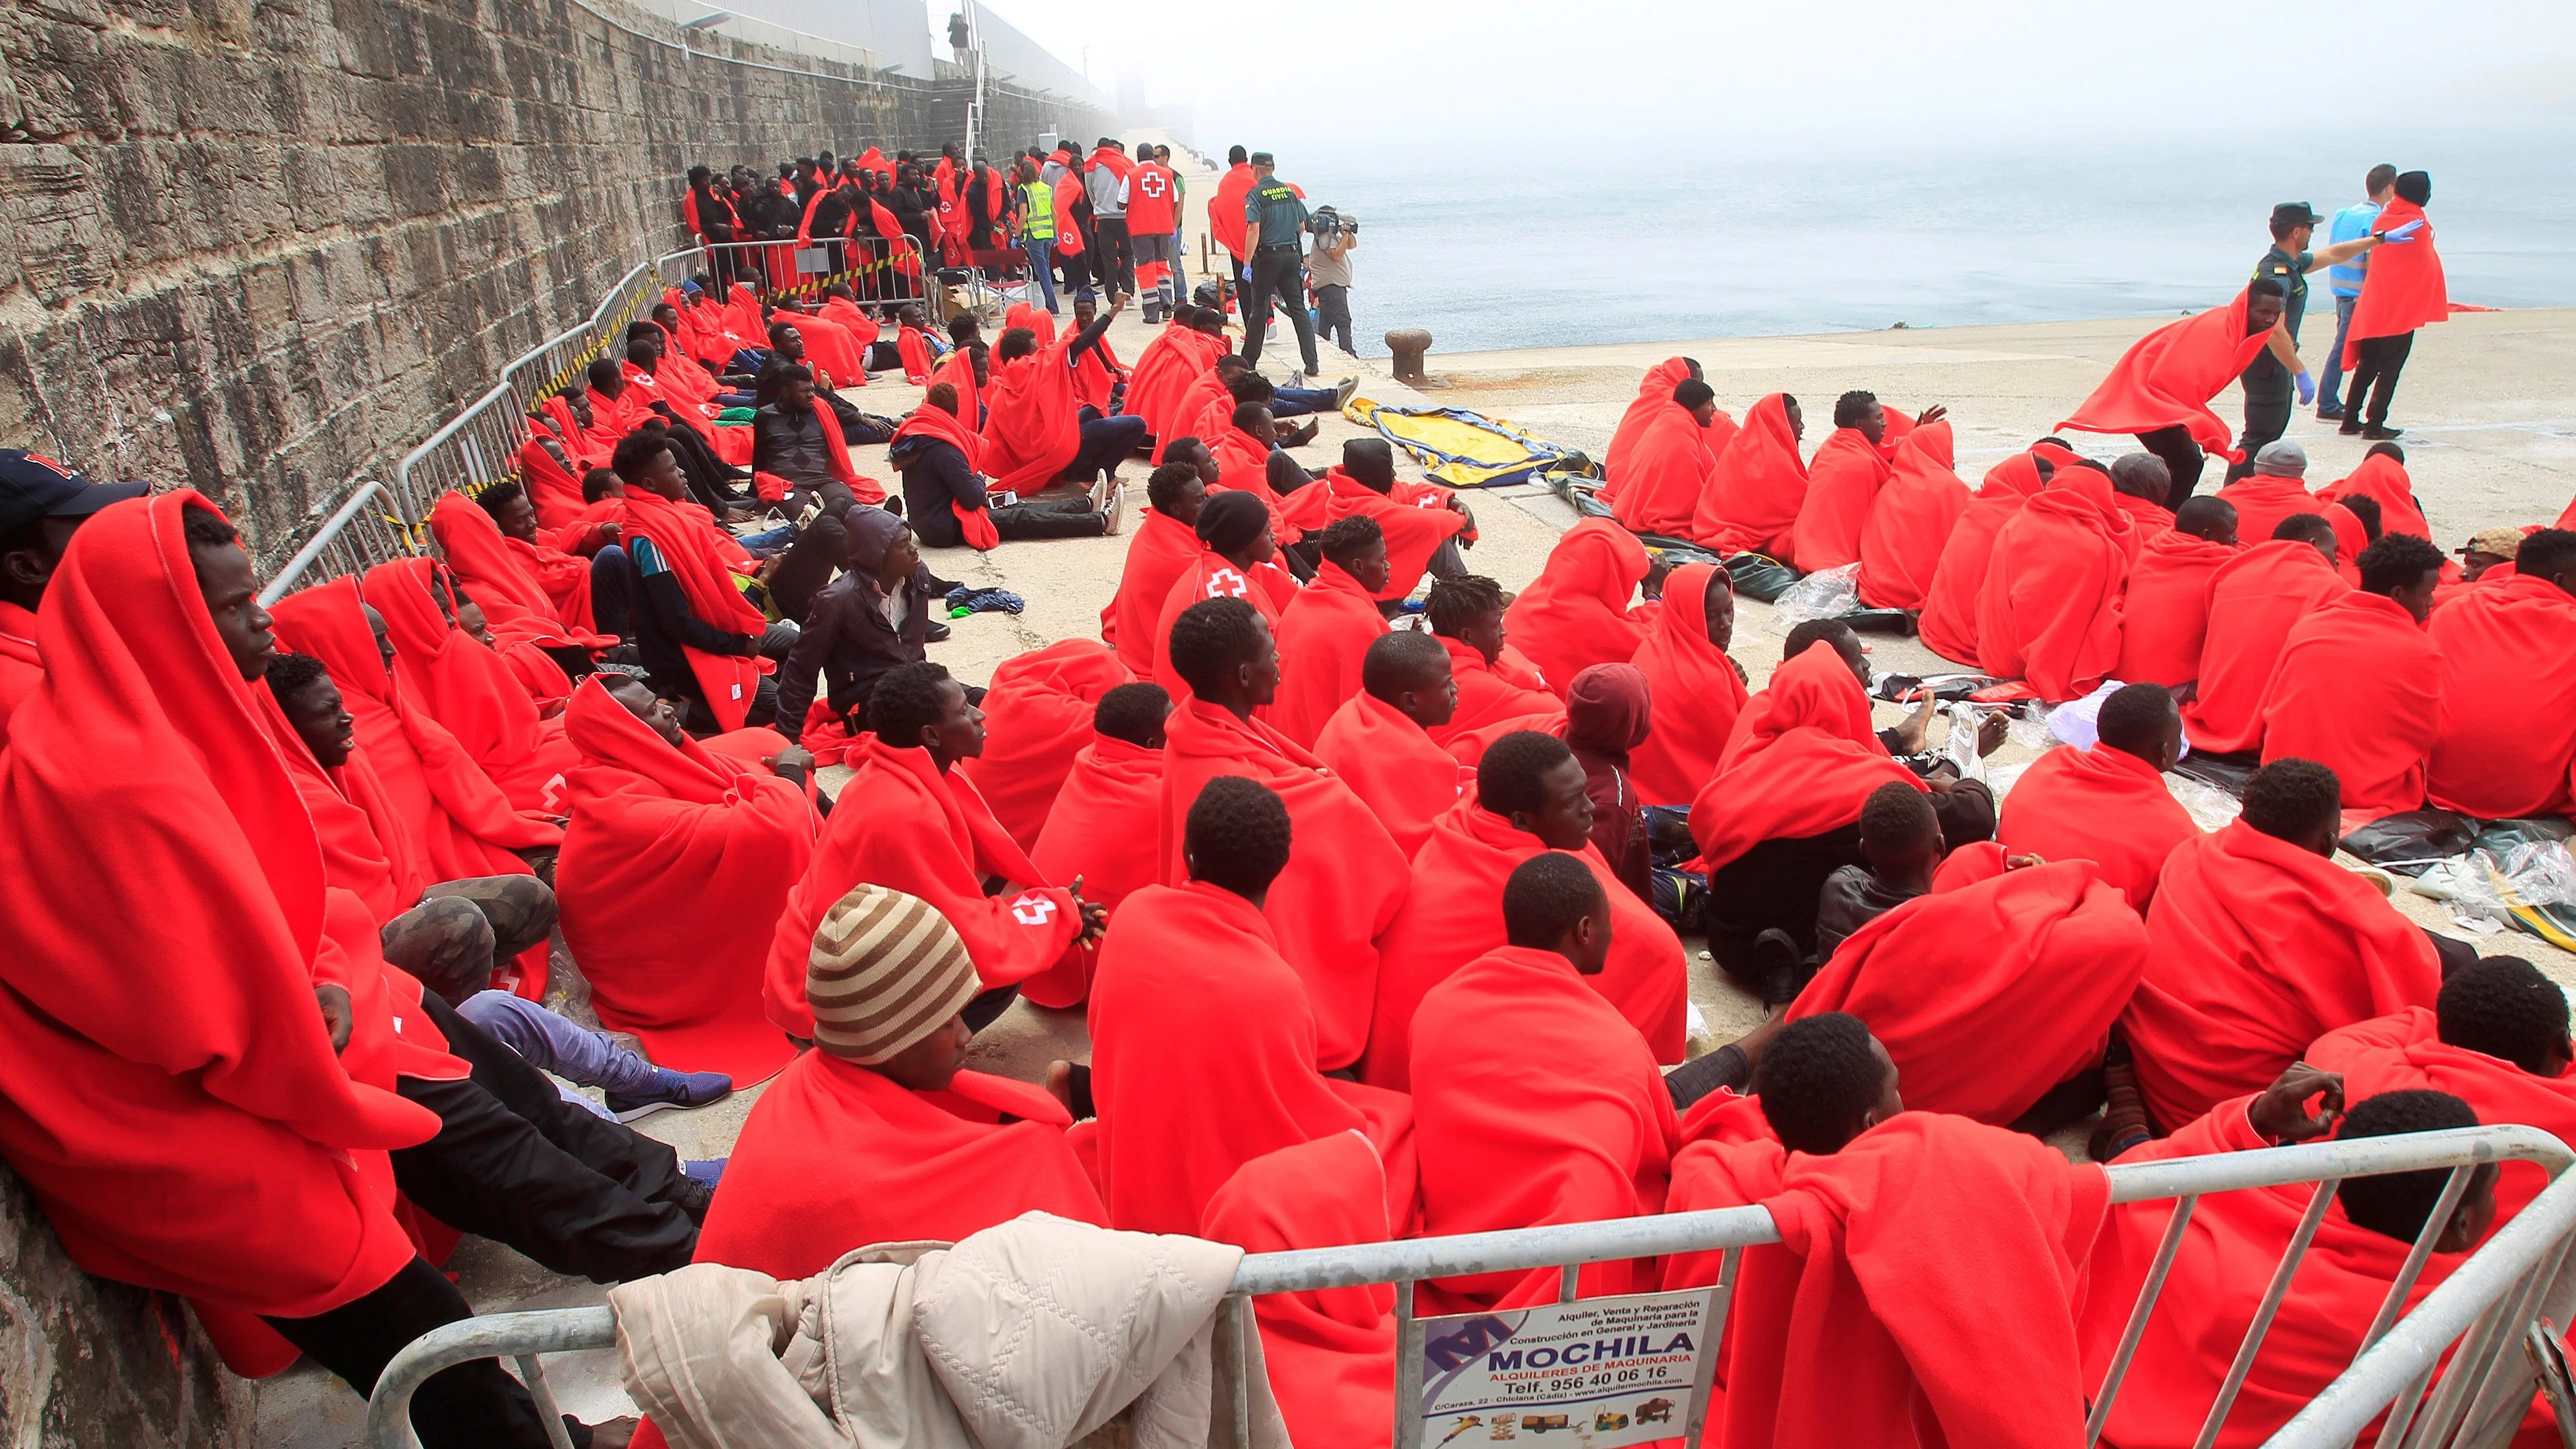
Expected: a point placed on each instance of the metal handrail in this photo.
(2477, 1292)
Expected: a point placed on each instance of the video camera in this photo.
(1327, 222)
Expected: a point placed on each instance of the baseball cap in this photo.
(33, 486)
(2500, 541)
(2295, 213)
(1264, 158)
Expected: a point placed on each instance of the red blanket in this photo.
(2384, 481)
(2404, 288)
(1667, 468)
(913, 347)
(702, 557)
(1323, 635)
(1693, 690)
(2506, 742)
(220, 1092)
(1345, 878)
(2262, 502)
(654, 828)
(835, 1156)
(1803, 759)
(517, 583)
(1994, 988)
(1576, 613)
(467, 687)
(2358, 690)
(1203, 1051)
(1949, 619)
(20, 668)
(1489, 694)
(1395, 769)
(2254, 600)
(1910, 520)
(1843, 480)
(554, 490)
(1756, 487)
(1653, 391)
(1096, 375)
(1161, 551)
(2050, 610)
(1925, 1264)
(1031, 430)
(959, 373)
(2100, 805)
(843, 358)
(1037, 712)
(1178, 356)
(930, 835)
(2166, 379)
(2403, 1051)
(2164, 611)
(367, 848)
(853, 319)
(1591, 1138)
(1266, 587)
(1331, 1352)
(1101, 832)
(2258, 948)
(1458, 916)
(1415, 517)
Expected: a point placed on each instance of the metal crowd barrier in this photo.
(2494, 1298)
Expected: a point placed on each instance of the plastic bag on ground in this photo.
(1826, 595)
(2209, 808)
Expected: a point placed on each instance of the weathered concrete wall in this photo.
(264, 246)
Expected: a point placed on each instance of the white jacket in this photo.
(1029, 1335)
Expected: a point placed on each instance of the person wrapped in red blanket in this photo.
(1101, 830)
(2260, 944)
(2382, 479)
(2506, 745)
(1165, 545)
(524, 589)
(1957, 582)
(1037, 714)
(2255, 599)
(1503, 1146)
(1671, 451)
(1326, 630)
(1418, 519)
(1844, 479)
(466, 686)
(1655, 397)
(2108, 804)
(1237, 561)
(1338, 895)
(1757, 485)
(656, 816)
(1694, 689)
(1498, 688)
(2164, 609)
(2403, 289)
(2160, 388)
(1910, 520)
(878, 1135)
(1379, 740)
(1204, 1041)
(2050, 610)
(1530, 798)
(725, 670)
(1576, 613)
(1179, 354)
(2358, 688)
(924, 831)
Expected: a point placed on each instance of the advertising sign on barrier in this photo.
(1596, 1373)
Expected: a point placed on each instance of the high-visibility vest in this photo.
(1037, 210)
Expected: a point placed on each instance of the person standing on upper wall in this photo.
(2353, 222)
(2276, 370)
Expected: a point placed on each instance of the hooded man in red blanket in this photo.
(658, 817)
(924, 831)
(1844, 479)
(1530, 799)
(2404, 289)
(2506, 744)
(1037, 713)
(2255, 600)
(2359, 685)
(1327, 629)
(2382, 479)
(1101, 830)
(466, 686)
(1337, 896)
(1957, 584)
(1910, 521)
(2160, 388)
(1204, 1039)
(2050, 610)
(1498, 688)
(1654, 390)
(561, 563)
(1694, 689)
(1576, 613)
(1420, 520)
(2164, 609)
(2108, 804)
(878, 1134)
(504, 574)
(2217, 1284)
(1164, 546)
(1845, 1331)
(1379, 740)
(1757, 486)
(1036, 429)
(1664, 456)
(1506, 1145)
(1179, 354)
(2260, 945)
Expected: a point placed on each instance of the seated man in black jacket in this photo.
(937, 475)
(664, 623)
(871, 619)
(788, 440)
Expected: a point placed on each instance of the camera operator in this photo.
(1328, 270)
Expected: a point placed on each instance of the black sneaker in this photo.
(671, 1089)
(2381, 432)
(1779, 965)
(694, 1199)
(939, 632)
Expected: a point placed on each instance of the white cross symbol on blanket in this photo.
(1033, 910)
(1227, 584)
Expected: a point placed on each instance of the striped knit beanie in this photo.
(886, 970)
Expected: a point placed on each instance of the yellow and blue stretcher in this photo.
(1464, 449)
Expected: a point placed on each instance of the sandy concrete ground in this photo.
(2489, 401)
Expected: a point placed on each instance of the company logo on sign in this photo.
(1033, 910)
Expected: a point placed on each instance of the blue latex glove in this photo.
(2307, 387)
(2399, 235)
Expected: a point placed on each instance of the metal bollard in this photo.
(1408, 344)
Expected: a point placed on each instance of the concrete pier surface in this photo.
(2488, 401)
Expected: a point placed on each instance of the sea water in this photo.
(1488, 253)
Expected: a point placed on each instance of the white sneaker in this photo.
(1114, 516)
(1296, 379)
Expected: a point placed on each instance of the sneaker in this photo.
(1779, 965)
(2329, 415)
(1296, 379)
(693, 1200)
(938, 633)
(671, 1089)
(2381, 432)
(1342, 392)
(1114, 515)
